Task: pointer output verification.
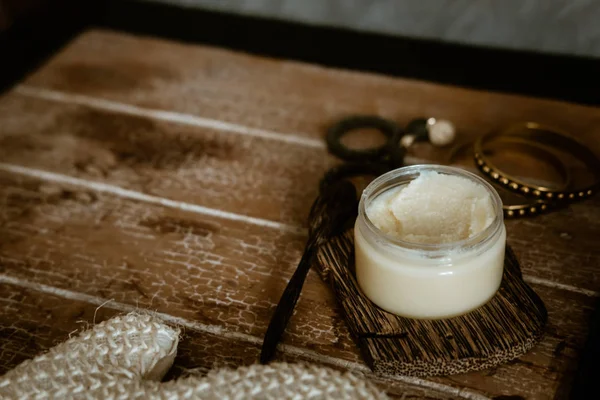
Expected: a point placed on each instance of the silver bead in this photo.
(441, 132)
(407, 140)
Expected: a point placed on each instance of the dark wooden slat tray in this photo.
(503, 329)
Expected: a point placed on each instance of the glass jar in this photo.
(428, 281)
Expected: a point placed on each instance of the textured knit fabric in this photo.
(125, 358)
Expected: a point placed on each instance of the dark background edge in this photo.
(32, 39)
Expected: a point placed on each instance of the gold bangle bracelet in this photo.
(534, 206)
(524, 210)
(541, 136)
(529, 206)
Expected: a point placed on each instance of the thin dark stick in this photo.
(332, 210)
(286, 305)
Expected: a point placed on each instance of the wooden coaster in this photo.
(503, 329)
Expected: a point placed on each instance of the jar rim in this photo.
(477, 240)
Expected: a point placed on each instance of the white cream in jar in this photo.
(429, 241)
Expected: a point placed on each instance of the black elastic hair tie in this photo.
(342, 127)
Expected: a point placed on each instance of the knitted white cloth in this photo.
(125, 358)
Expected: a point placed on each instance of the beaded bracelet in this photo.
(540, 136)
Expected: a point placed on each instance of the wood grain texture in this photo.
(219, 271)
(273, 180)
(188, 265)
(503, 329)
(31, 322)
(256, 125)
(282, 96)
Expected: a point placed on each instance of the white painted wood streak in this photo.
(162, 115)
(146, 198)
(179, 118)
(133, 195)
(561, 286)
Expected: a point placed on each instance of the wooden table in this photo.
(141, 174)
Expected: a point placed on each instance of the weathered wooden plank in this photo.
(217, 272)
(246, 175)
(548, 370)
(282, 96)
(562, 246)
(31, 322)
